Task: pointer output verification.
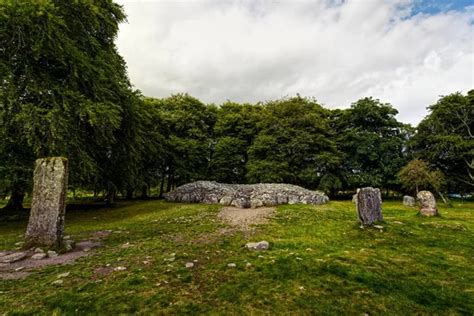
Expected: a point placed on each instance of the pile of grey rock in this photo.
(245, 195)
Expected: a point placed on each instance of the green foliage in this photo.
(186, 129)
(293, 143)
(64, 89)
(416, 176)
(373, 143)
(445, 138)
(234, 132)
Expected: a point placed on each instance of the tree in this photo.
(64, 89)
(186, 126)
(373, 143)
(417, 175)
(234, 132)
(445, 138)
(293, 144)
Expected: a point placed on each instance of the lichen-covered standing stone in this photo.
(409, 201)
(369, 205)
(48, 206)
(427, 203)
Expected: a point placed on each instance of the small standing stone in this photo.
(48, 206)
(409, 201)
(369, 205)
(427, 203)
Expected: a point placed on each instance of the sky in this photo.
(404, 52)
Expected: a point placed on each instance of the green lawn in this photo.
(320, 262)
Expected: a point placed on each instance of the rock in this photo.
(245, 195)
(63, 275)
(354, 198)
(241, 202)
(13, 257)
(409, 201)
(189, 265)
(261, 245)
(52, 254)
(58, 282)
(378, 227)
(231, 265)
(254, 203)
(38, 250)
(38, 256)
(427, 203)
(120, 268)
(19, 269)
(369, 205)
(46, 223)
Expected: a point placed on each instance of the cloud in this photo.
(337, 51)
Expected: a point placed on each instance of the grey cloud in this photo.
(336, 51)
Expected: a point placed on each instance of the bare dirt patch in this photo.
(243, 219)
(23, 268)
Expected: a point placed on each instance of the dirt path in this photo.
(243, 218)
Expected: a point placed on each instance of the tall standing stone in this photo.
(48, 206)
(369, 205)
(427, 203)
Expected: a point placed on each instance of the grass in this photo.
(320, 262)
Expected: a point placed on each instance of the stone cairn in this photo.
(409, 201)
(369, 205)
(245, 195)
(48, 206)
(427, 203)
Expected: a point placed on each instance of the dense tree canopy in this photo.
(373, 143)
(64, 91)
(446, 139)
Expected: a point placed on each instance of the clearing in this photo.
(320, 262)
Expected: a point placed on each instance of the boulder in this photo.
(427, 203)
(48, 205)
(245, 195)
(409, 201)
(369, 205)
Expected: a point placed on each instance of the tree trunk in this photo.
(162, 186)
(110, 194)
(144, 191)
(168, 185)
(16, 200)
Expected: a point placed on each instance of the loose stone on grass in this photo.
(38, 256)
(189, 265)
(261, 245)
(17, 256)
